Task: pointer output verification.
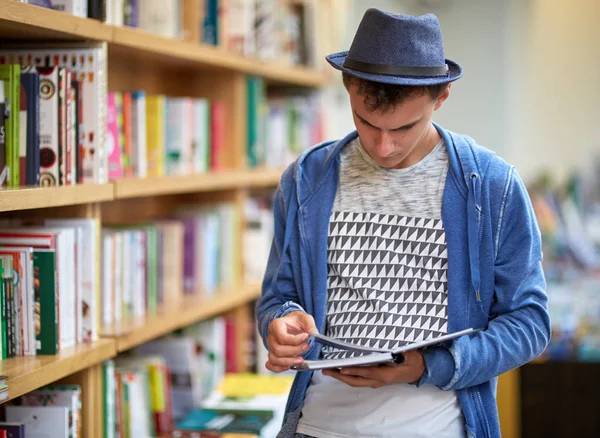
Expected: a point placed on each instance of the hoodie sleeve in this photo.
(279, 295)
(520, 328)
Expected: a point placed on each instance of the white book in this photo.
(41, 421)
(87, 274)
(371, 356)
(127, 275)
(140, 289)
(118, 276)
(138, 134)
(118, 10)
(68, 396)
(107, 277)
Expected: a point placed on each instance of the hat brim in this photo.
(454, 72)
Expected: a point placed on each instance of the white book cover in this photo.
(118, 276)
(68, 396)
(87, 275)
(107, 277)
(138, 134)
(140, 290)
(127, 276)
(88, 61)
(210, 336)
(41, 422)
(174, 129)
(160, 17)
(118, 10)
(139, 403)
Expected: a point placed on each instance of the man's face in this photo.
(393, 138)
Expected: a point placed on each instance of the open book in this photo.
(373, 356)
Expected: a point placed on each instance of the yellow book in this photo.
(247, 385)
(155, 135)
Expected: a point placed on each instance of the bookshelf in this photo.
(138, 59)
(190, 310)
(22, 21)
(50, 197)
(28, 373)
(209, 182)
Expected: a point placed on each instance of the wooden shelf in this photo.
(47, 197)
(23, 21)
(28, 373)
(191, 310)
(138, 43)
(208, 182)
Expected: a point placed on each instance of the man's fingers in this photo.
(275, 368)
(284, 361)
(308, 323)
(355, 381)
(287, 350)
(279, 331)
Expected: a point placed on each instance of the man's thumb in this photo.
(307, 322)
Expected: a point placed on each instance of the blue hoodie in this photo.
(495, 276)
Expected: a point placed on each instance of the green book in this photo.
(108, 398)
(46, 305)
(10, 74)
(2, 311)
(152, 278)
(7, 278)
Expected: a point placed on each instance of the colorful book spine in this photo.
(115, 167)
(30, 81)
(217, 132)
(155, 137)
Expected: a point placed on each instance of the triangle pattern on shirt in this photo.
(387, 280)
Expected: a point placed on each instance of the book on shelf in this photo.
(280, 127)
(49, 296)
(38, 420)
(68, 396)
(71, 125)
(10, 77)
(78, 8)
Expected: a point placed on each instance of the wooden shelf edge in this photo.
(48, 197)
(47, 23)
(26, 374)
(192, 309)
(152, 45)
(207, 182)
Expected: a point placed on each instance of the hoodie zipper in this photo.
(473, 220)
(482, 413)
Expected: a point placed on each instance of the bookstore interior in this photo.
(142, 142)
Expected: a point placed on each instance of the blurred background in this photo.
(171, 123)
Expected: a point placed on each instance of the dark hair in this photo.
(379, 96)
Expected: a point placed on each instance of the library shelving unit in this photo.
(141, 60)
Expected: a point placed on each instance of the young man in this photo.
(400, 232)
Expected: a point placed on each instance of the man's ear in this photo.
(442, 97)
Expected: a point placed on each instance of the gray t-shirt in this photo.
(387, 286)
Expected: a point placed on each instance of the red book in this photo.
(230, 346)
(217, 135)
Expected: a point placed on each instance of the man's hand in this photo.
(287, 340)
(375, 377)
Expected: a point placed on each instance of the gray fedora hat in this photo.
(397, 49)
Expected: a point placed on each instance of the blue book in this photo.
(210, 31)
(13, 430)
(31, 84)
